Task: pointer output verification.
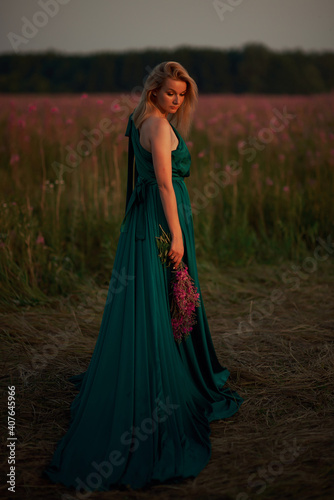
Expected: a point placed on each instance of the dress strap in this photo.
(132, 171)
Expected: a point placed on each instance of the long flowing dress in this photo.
(144, 405)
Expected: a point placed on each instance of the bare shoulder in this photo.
(154, 124)
(155, 130)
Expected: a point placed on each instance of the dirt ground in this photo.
(272, 328)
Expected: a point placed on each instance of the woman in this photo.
(145, 402)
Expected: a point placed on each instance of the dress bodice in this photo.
(181, 158)
(142, 174)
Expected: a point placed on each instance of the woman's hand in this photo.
(176, 250)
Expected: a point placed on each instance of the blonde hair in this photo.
(182, 119)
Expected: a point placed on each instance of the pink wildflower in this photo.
(213, 121)
(14, 159)
(185, 297)
(40, 239)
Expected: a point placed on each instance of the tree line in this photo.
(251, 69)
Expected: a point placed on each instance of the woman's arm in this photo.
(161, 147)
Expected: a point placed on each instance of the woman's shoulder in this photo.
(154, 128)
(153, 122)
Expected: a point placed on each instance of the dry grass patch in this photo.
(279, 445)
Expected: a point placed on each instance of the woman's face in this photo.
(170, 96)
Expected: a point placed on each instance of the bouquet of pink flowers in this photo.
(185, 297)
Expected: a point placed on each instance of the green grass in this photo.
(57, 232)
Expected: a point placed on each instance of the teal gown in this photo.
(145, 402)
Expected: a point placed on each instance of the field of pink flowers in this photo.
(261, 184)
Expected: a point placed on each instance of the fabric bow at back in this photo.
(132, 171)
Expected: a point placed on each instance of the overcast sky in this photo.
(85, 26)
